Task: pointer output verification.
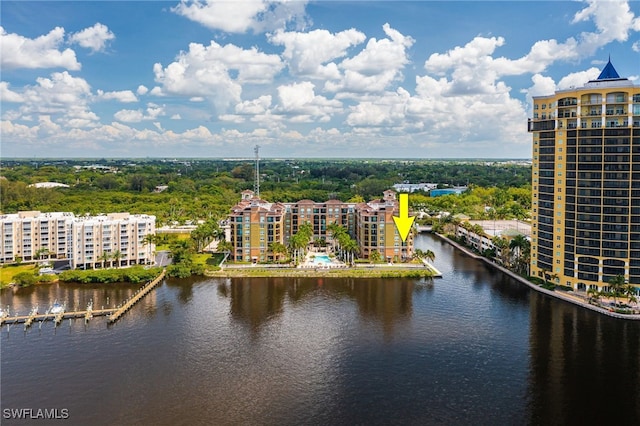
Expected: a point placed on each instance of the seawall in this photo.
(556, 294)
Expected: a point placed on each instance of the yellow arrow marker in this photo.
(404, 222)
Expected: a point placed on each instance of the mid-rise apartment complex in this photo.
(256, 224)
(118, 239)
(586, 183)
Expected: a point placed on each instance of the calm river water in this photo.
(474, 347)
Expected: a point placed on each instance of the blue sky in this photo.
(387, 79)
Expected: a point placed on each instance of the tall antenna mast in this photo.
(256, 185)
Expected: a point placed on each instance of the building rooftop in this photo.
(608, 77)
(507, 228)
(608, 72)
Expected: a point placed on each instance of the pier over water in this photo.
(112, 314)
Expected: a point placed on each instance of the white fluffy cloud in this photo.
(542, 85)
(613, 19)
(152, 112)
(255, 106)
(350, 83)
(7, 95)
(308, 54)
(94, 38)
(473, 67)
(120, 138)
(387, 111)
(578, 79)
(63, 98)
(124, 96)
(474, 70)
(206, 71)
(234, 17)
(40, 52)
(377, 66)
(300, 102)
(256, 110)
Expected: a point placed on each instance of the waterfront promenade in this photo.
(558, 294)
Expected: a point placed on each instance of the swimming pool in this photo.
(321, 259)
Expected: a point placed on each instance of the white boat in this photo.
(57, 309)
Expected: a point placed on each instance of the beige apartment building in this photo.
(255, 224)
(115, 239)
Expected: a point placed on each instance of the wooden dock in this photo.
(61, 316)
(112, 314)
(135, 298)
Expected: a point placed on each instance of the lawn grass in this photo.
(7, 272)
(171, 238)
(201, 258)
(337, 273)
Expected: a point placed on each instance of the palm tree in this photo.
(427, 255)
(456, 222)
(503, 245)
(104, 258)
(43, 252)
(446, 220)
(225, 246)
(631, 293)
(277, 249)
(594, 295)
(147, 241)
(478, 230)
(351, 247)
(296, 244)
(116, 256)
(520, 250)
(616, 285)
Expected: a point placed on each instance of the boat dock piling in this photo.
(4, 315)
(89, 312)
(57, 319)
(31, 317)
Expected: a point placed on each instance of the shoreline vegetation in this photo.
(358, 272)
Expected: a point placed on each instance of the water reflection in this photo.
(76, 296)
(584, 369)
(256, 301)
(473, 347)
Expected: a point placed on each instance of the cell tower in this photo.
(256, 185)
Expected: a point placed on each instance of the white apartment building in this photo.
(115, 239)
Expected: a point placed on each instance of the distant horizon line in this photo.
(268, 158)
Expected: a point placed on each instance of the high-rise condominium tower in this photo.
(586, 183)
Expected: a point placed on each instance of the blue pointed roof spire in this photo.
(608, 72)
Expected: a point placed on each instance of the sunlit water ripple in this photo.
(474, 347)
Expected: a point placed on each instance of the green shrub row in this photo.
(134, 274)
(184, 270)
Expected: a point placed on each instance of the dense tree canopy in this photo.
(204, 189)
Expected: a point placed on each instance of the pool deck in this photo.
(310, 263)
